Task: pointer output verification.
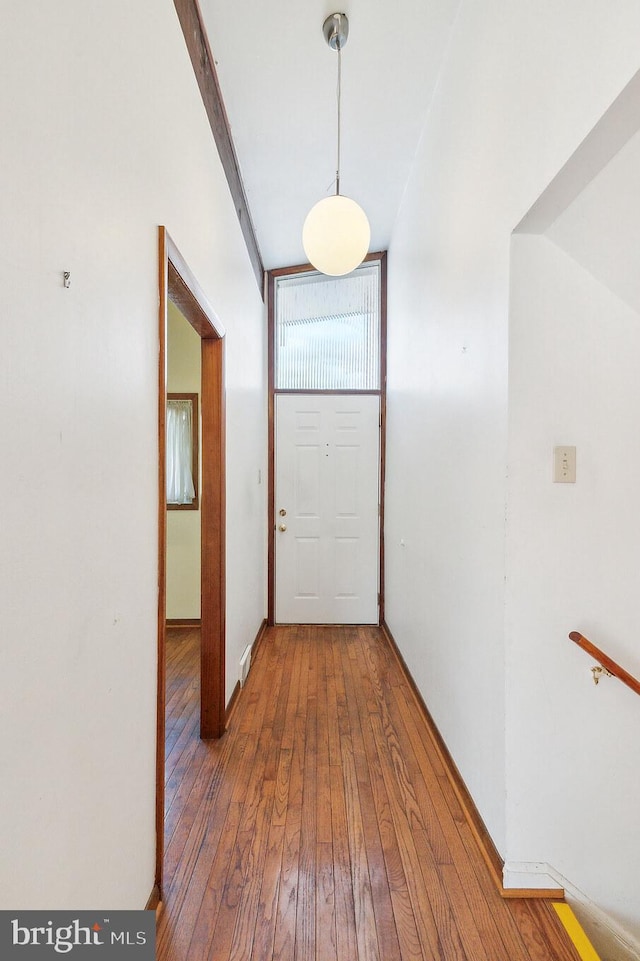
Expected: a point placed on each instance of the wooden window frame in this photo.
(195, 451)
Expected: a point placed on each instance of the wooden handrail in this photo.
(605, 661)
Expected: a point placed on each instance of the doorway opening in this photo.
(327, 416)
(178, 285)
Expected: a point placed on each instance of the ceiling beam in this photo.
(202, 61)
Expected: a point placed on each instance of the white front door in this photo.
(327, 508)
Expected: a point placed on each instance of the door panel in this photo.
(307, 567)
(327, 482)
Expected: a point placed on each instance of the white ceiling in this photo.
(278, 79)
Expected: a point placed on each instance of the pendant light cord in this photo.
(338, 47)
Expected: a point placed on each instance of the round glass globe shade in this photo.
(336, 235)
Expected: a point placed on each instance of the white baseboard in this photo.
(245, 664)
(610, 940)
(528, 875)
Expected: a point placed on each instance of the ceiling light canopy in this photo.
(336, 231)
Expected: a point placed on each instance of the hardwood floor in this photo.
(322, 826)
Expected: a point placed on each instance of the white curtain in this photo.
(180, 489)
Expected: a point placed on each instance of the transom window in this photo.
(327, 331)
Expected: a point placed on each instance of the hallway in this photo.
(323, 825)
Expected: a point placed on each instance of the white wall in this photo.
(246, 400)
(98, 102)
(573, 559)
(521, 86)
(600, 228)
(183, 526)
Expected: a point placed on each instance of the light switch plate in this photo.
(564, 465)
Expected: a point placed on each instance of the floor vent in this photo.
(245, 664)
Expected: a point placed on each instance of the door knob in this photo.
(282, 512)
(282, 527)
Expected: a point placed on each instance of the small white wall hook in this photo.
(66, 278)
(598, 671)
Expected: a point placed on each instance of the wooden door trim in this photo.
(272, 275)
(212, 613)
(271, 454)
(163, 300)
(177, 283)
(383, 421)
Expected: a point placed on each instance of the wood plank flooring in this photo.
(322, 826)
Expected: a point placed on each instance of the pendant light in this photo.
(336, 232)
